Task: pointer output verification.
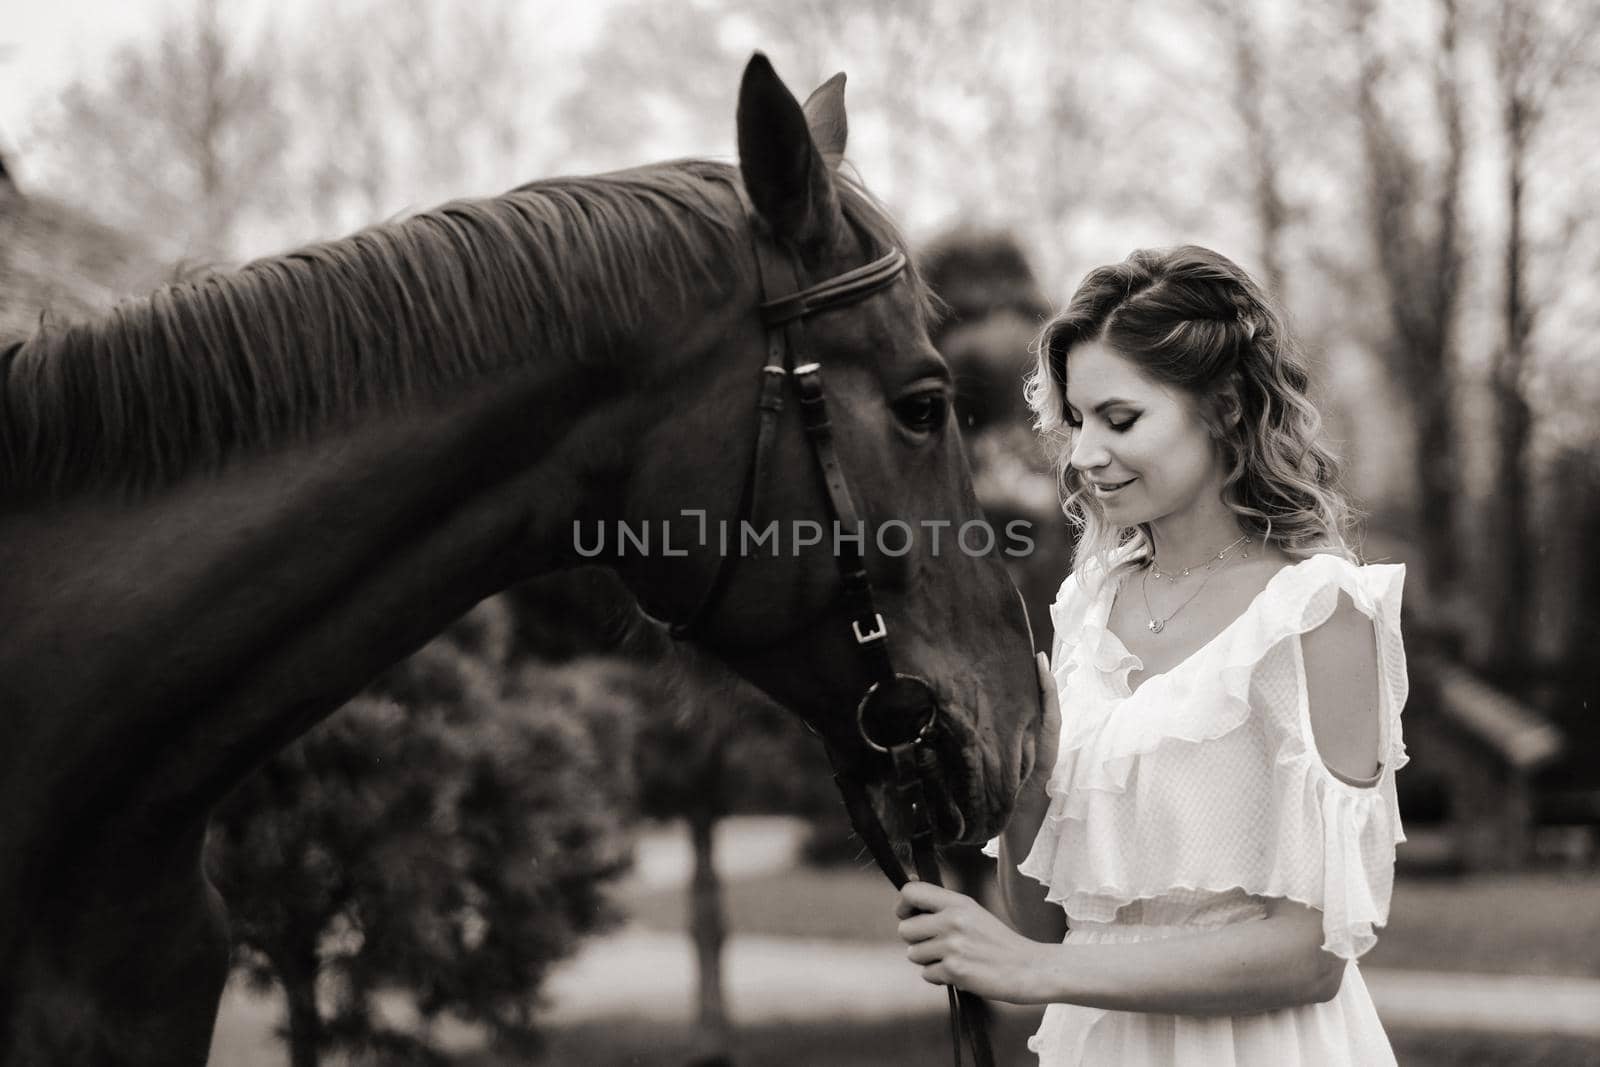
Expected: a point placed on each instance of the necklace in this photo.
(1209, 561)
(1157, 624)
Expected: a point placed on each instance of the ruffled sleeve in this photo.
(1339, 838)
(1208, 779)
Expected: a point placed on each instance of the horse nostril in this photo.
(958, 829)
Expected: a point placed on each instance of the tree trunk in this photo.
(1580, 468)
(208, 134)
(1421, 272)
(1249, 100)
(709, 928)
(1441, 487)
(299, 979)
(1515, 571)
(1437, 486)
(1515, 589)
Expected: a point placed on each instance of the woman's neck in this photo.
(1191, 537)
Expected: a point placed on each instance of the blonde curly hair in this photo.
(1193, 319)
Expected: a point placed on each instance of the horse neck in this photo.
(163, 647)
(153, 653)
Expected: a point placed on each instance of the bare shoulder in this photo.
(1342, 688)
(1245, 578)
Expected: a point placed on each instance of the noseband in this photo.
(897, 712)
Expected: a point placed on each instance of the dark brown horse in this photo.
(224, 508)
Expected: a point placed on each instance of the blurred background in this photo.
(528, 844)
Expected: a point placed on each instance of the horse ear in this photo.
(789, 182)
(825, 116)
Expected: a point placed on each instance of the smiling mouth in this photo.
(1107, 488)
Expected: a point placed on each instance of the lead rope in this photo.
(968, 1013)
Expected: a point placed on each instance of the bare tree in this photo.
(349, 170)
(1251, 90)
(400, 105)
(963, 110)
(1539, 48)
(1221, 66)
(180, 143)
(1415, 226)
(711, 746)
(456, 82)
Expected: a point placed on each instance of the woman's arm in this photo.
(1022, 897)
(1238, 969)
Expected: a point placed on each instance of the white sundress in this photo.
(1183, 806)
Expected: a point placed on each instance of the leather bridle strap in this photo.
(846, 288)
(967, 1011)
(782, 318)
(896, 698)
(867, 624)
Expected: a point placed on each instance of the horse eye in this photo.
(923, 412)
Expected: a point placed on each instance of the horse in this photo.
(227, 506)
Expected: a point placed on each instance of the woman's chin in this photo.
(1126, 513)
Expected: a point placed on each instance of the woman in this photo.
(1195, 872)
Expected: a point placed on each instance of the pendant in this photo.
(1156, 625)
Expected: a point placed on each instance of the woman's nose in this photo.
(1087, 451)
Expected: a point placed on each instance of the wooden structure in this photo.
(1486, 746)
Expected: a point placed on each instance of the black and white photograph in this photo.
(799, 533)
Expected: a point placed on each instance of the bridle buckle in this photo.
(877, 633)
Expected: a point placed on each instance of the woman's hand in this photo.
(1049, 747)
(956, 942)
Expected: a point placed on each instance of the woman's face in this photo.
(1141, 445)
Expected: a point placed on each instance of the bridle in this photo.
(898, 712)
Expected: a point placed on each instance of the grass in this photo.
(1506, 924)
(1501, 924)
(1530, 923)
(916, 1039)
(911, 1039)
(921, 1039)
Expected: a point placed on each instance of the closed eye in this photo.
(1120, 427)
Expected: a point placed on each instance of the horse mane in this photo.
(205, 370)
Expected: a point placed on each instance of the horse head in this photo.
(762, 545)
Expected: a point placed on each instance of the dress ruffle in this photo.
(1142, 799)
(1067, 621)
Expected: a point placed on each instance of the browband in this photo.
(846, 288)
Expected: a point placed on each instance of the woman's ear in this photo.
(1227, 410)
